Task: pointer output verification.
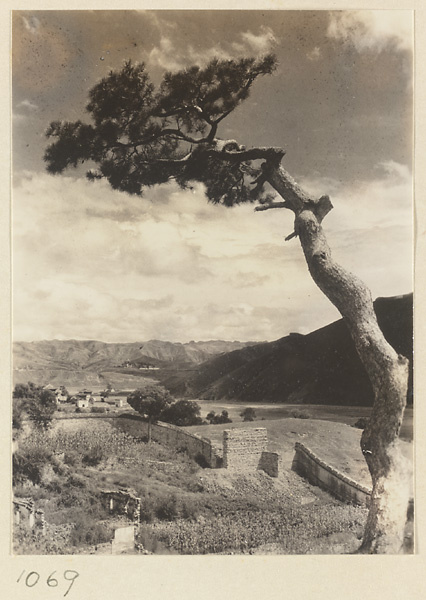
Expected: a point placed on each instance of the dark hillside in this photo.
(319, 368)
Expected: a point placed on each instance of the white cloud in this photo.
(370, 227)
(314, 54)
(24, 111)
(165, 55)
(260, 43)
(31, 24)
(373, 29)
(169, 57)
(27, 105)
(90, 262)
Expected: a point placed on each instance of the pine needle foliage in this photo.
(140, 136)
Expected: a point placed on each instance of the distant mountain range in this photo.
(63, 362)
(321, 367)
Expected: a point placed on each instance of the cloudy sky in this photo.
(93, 263)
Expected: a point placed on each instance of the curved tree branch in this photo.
(221, 152)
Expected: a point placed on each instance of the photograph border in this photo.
(238, 577)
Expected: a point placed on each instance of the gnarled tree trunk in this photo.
(388, 371)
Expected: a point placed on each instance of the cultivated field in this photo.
(187, 509)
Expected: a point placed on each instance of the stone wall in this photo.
(270, 462)
(243, 448)
(195, 445)
(309, 465)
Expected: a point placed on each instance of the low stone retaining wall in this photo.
(195, 445)
(73, 415)
(309, 465)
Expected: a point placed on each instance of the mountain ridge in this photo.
(92, 355)
(321, 367)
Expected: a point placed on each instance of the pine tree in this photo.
(140, 137)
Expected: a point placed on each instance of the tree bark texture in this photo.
(388, 371)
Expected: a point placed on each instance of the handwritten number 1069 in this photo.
(33, 577)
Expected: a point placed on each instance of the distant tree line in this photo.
(154, 403)
(215, 419)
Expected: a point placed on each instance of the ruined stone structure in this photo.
(309, 465)
(26, 515)
(246, 450)
(123, 502)
(242, 448)
(270, 462)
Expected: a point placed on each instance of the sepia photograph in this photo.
(212, 283)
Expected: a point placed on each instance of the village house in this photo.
(85, 395)
(82, 403)
(83, 399)
(60, 393)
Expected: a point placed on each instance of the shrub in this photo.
(168, 508)
(182, 413)
(172, 507)
(33, 542)
(248, 414)
(70, 498)
(71, 458)
(75, 480)
(18, 412)
(299, 414)
(30, 464)
(88, 531)
(215, 419)
(54, 486)
(147, 512)
(93, 457)
(361, 423)
(189, 509)
(98, 409)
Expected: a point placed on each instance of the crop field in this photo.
(185, 509)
